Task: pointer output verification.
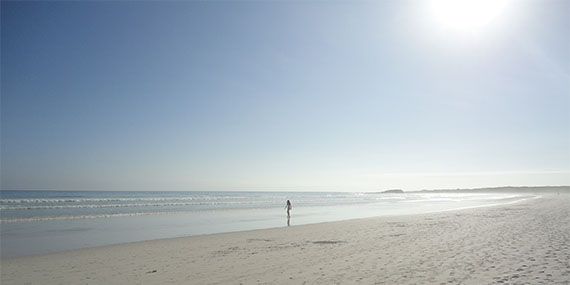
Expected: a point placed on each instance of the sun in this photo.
(467, 14)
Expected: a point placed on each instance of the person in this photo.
(288, 207)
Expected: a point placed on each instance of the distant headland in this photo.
(506, 189)
(392, 191)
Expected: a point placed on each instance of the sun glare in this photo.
(467, 14)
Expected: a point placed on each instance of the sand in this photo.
(527, 242)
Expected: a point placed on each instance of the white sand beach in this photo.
(522, 243)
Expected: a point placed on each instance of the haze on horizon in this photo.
(296, 96)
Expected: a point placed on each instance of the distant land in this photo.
(392, 191)
(507, 189)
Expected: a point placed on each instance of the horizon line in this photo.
(371, 191)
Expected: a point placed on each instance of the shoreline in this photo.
(521, 242)
(519, 198)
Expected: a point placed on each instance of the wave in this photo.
(163, 198)
(83, 200)
(59, 204)
(463, 199)
(92, 206)
(95, 200)
(81, 217)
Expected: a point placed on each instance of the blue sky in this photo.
(302, 96)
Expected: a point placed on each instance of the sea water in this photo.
(33, 222)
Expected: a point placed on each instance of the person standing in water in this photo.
(288, 207)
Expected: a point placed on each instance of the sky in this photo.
(284, 96)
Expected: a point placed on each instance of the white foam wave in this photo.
(92, 200)
(95, 206)
(462, 198)
(95, 203)
(79, 217)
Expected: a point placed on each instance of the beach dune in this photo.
(525, 242)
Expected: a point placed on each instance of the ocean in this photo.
(34, 222)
